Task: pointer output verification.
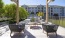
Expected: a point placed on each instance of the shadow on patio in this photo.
(54, 36)
(26, 34)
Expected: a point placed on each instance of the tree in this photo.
(2, 11)
(10, 11)
(23, 14)
(1, 4)
(1, 8)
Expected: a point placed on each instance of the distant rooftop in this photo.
(42, 5)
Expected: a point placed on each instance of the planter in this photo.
(49, 28)
(16, 28)
(32, 20)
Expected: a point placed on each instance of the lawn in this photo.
(60, 22)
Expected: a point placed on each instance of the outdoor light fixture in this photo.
(17, 10)
(47, 2)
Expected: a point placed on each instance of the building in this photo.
(52, 9)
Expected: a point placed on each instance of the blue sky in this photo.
(37, 2)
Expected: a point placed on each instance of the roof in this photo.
(43, 5)
(32, 5)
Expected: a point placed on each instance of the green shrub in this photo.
(11, 21)
(32, 19)
(21, 19)
(2, 20)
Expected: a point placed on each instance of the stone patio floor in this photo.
(35, 33)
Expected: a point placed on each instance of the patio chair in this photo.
(50, 28)
(16, 28)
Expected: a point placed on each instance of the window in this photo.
(29, 8)
(32, 7)
(42, 8)
(38, 10)
(38, 7)
(51, 10)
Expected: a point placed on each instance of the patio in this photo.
(35, 33)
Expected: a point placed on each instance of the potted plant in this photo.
(32, 19)
(40, 14)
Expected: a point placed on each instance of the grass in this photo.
(60, 22)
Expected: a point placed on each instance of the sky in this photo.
(36, 2)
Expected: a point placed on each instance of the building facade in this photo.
(52, 9)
